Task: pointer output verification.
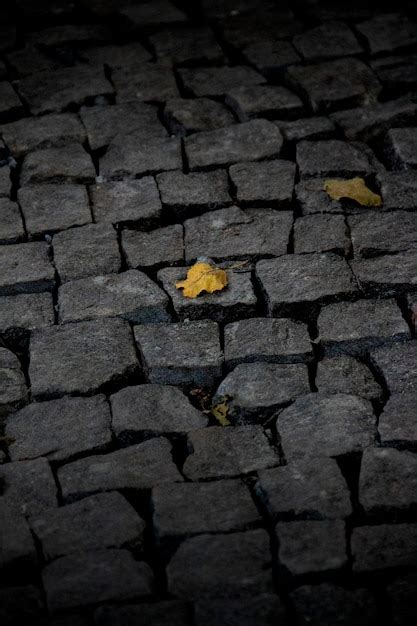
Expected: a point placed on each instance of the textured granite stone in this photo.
(70, 164)
(11, 225)
(217, 81)
(384, 546)
(345, 374)
(397, 366)
(163, 246)
(25, 268)
(269, 183)
(144, 82)
(28, 487)
(126, 202)
(185, 115)
(397, 424)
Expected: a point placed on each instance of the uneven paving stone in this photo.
(11, 105)
(48, 131)
(163, 246)
(269, 183)
(262, 339)
(11, 225)
(301, 281)
(141, 466)
(80, 358)
(384, 546)
(165, 613)
(103, 123)
(115, 56)
(180, 354)
(253, 22)
(397, 366)
(355, 327)
(5, 182)
(388, 275)
(388, 32)
(86, 251)
(144, 82)
(217, 452)
(59, 429)
(400, 148)
(236, 301)
(124, 159)
(396, 73)
(263, 101)
(412, 311)
(314, 489)
(17, 544)
(232, 234)
(217, 81)
(28, 486)
(397, 425)
(259, 610)
(68, 34)
(335, 84)
(331, 158)
(398, 189)
(185, 45)
(25, 312)
(387, 480)
(126, 202)
(25, 268)
(153, 14)
(331, 39)
(183, 194)
(185, 509)
(312, 199)
(259, 138)
(345, 374)
(333, 424)
(221, 565)
(402, 597)
(70, 164)
(326, 605)
(150, 410)
(19, 604)
(372, 121)
(256, 390)
(270, 57)
(105, 520)
(321, 233)
(312, 128)
(48, 208)
(185, 116)
(13, 390)
(311, 546)
(130, 295)
(99, 576)
(63, 87)
(390, 232)
(30, 60)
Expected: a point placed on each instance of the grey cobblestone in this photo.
(217, 81)
(11, 229)
(28, 487)
(126, 202)
(396, 423)
(388, 233)
(25, 268)
(331, 39)
(269, 183)
(312, 128)
(402, 595)
(164, 246)
(185, 116)
(183, 193)
(166, 613)
(387, 275)
(186, 45)
(70, 164)
(396, 365)
(262, 609)
(345, 374)
(382, 546)
(263, 101)
(25, 312)
(144, 83)
(331, 158)
(18, 546)
(321, 233)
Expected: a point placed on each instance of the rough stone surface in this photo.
(11, 105)
(184, 193)
(165, 613)
(397, 366)
(217, 81)
(147, 410)
(25, 268)
(400, 146)
(11, 225)
(180, 354)
(259, 610)
(397, 424)
(331, 39)
(13, 391)
(66, 359)
(382, 546)
(307, 128)
(141, 466)
(389, 233)
(25, 312)
(321, 233)
(269, 183)
(263, 101)
(388, 32)
(71, 164)
(331, 158)
(270, 56)
(28, 487)
(59, 429)
(126, 202)
(144, 82)
(5, 182)
(402, 595)
(398, 189)
(17, 544)
(185, 116)
(164, 246)
(345, 374)
(186, 45)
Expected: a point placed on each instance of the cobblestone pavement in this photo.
(137, 138)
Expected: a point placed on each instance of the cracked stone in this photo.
(80, 358)
(321, 233)
(11, 225)
(400, 148)
(185, 116)
(293, 282)
(70, 164)
(237, 301)
(233, 234)
(48, 208)
(152, 410)
(127, 202)
(388, 275)
(263, 101)
(189, 44)
(144, 82)
(217, 81)
(105, 520)
(137, 467)
(331, 158)
(397, 425)
(397, 365)
(151, 250)
(59, 429)
(314, 489)
(269, 183)
(11, 105)
(355, 327)
(165, 613)
(384, 546)
(217, 452)
(312, 128)
(271, 340)
(331, 39)
(312, 546)
(383, 234)
(98, 576)
(335, 424)
(182, 353)
(221, 565)
(130, 295)
(86, 251)
(257, 390)
(345, 374)
(259, 138)
(25, 268)
(28, 486)
(388, 32)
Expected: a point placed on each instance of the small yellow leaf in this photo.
(354, 189)
(202, 277)
(220, 411)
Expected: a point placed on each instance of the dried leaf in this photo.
(202, 277)
(220, 411)
(354, 189)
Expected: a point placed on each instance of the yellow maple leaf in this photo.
(354, 189)
(202, 277)
(219, 411)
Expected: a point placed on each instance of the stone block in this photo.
(25, 268)
(127, 202)
(71, 164)
(345, 374)
(268, 183)
(152, 250)
(321, 233)
(190, 115)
